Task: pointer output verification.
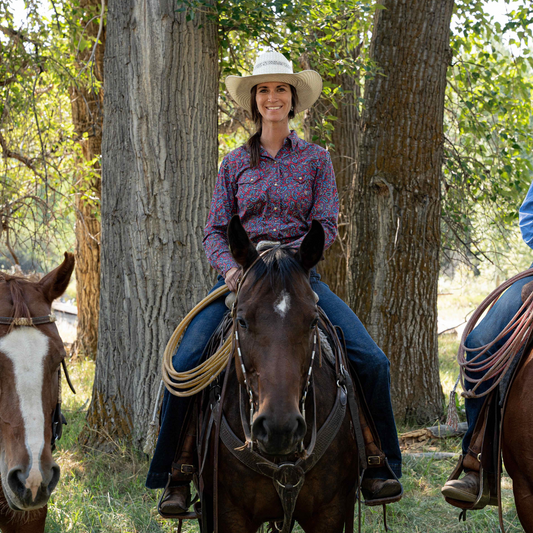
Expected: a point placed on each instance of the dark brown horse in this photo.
(275, 317)
(31, 353)
(517, 441)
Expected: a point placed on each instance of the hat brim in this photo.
(308, 85)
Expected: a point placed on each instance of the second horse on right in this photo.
(496, 359)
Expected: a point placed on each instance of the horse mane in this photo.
(15, 284)
(278, 266)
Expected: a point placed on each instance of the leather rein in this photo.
(288, 477)
(57, 417)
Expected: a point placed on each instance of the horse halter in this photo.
(57, 417)
(248, 431)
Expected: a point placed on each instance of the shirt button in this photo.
(276, 184)
(275, 229)
(299, 178)
(253, 180)
(275, 208)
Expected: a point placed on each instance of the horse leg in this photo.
(523, 495)
(233, 520)
(330, 519)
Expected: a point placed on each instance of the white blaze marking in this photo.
(283, 304)
(27, 348)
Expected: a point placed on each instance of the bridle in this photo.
(287, 477)
(57, 417)
(248, 425)
(23, 321)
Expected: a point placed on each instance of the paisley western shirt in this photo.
(275, 201)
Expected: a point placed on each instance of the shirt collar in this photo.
(292, 142)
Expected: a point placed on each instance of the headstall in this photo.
(248, 429)
(23, 321)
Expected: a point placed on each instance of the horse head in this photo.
(276, 318)
(30, 356)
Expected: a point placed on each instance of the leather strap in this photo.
(288, 478)
(23, 321)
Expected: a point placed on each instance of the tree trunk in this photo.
(394, 237)
(159, 168)
(87, 117)
(345, 139)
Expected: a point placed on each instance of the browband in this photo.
(23, 321)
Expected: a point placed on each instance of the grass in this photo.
(101, 492)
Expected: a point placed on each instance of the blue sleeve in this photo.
(525, 217)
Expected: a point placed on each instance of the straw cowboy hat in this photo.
(273, 66)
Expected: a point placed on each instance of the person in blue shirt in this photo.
(500, 314)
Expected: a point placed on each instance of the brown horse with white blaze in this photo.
(275, 327)
(31, 352)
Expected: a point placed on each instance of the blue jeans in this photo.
(486, 331)
(373, 369)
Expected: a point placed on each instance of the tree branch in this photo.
(17, 36)
(15, 155)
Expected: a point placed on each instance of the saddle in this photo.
(485, 451)
(209, 417)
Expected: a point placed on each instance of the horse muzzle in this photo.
(279, 437)
(25, 494)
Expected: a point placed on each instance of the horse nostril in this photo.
(15, 481)
(56, 472)
(260, 428)
(301, 428)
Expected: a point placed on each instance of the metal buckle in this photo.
(187, 469)
(374, 460)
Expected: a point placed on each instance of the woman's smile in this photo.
(274, 100)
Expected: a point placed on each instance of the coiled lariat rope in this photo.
(495, 366)
(193, 381)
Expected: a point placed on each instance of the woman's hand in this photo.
(232, 278)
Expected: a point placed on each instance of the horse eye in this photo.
(314, 323)
(242, 323)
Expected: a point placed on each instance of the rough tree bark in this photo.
(345, 139)
(394, 235)
(159, 167)
(87, 117)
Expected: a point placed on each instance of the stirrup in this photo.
(190, 501)
(388, 499)
(484, 496)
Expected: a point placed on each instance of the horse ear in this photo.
(55, 283)
(312, 247)
(242, 249)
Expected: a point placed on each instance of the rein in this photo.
(496, 365)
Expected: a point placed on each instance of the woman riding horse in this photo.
(277, 183)
(498, 317)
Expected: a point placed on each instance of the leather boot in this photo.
(176, 498)
(377, 489)
(382, 490)
(465, 489)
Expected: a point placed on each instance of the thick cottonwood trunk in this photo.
(394, 236)
(345, 139)
(159, 168)
(87, 117)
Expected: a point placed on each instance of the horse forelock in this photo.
(278, 267)
(16, 289)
